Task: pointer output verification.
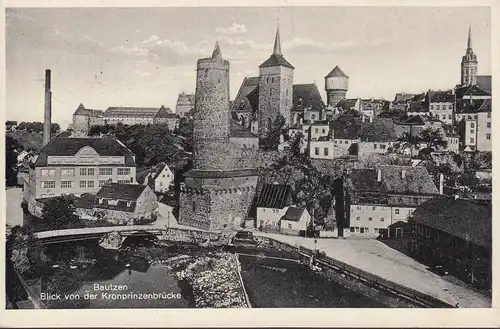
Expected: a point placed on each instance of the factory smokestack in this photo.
(47, 118)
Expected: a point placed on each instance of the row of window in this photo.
(83, 183)
(316, 130)
(371, 219)
(396, 211)
(85, 171)
(442, 107)
(365, 229)
(382, 146)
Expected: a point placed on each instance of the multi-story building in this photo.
(476, 128)
(84, 119)
(441, 105)
(77, 166)
(336, 86)
(454, 234)
(185, 103)
(135, 115)
(160, 178)
(376, 198)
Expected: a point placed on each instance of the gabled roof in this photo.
(158, 170)
(420, 120)
(336, 72)
(307, 95)
(473, 106)
(81, 110)
(414, 106)
(185, 99)
(128, 192)
(239, 131)
(293, 214)
(417, 180)
(247, 100)
(68, 146)
(276, 60)
(468, 220)
(473, 90)
(403, 97)
(441, 96)
(484, 82)
(275, 196)
(348, 102)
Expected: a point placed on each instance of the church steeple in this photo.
(469, 64)
(469, 40)
(277, 42)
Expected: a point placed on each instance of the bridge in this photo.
(91, 233)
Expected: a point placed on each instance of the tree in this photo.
(54, 128)
(11, 149)
(59, 212)
(278, 127)
(433, 139)
(410, 141)
(26, 252)
(185, 129)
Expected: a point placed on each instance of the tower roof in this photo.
(469, 40)
(277, 58)
(336, 72)
(217, 53)
(277, 42)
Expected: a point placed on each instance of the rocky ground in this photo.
(213, 278)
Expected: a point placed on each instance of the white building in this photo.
(272, 204)
(160, 179)
(295, 221)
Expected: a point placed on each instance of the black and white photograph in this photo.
(248, 157)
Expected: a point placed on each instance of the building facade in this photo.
(336, 86)
(441, 105)
(77, 166)
(84, 119)
(185, 103)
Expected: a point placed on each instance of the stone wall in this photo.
(194, 209)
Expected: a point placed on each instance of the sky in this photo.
(145, 57)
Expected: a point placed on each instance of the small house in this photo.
(295, 221)
(160, 178)
(272, 203)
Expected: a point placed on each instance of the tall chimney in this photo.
(48, 109)
(441, 183)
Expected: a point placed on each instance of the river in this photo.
(137, 272)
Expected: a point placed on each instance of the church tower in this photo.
(211, 112)
(275, 88)
(469, 65)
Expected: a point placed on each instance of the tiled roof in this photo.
(128, 192)
(441, 96)
(348, 102)
(247, 100)
(276, 60)
(64, 146)
(474, 106)
(293, 214)
(417, 180)
(336, 72)
(403, 97)
(220, 174)
(275, 196)
(474, 90)
(419, 97)
(158, 170)
(468, 220)
(307, 95)
(484, 82)
(131, 111)
(239, 131)
(420, 120)
(165, 113)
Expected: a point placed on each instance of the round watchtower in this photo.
(336, 86)
(211, 113)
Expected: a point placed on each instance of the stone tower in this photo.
(275, 88)
(211, 112)
(469, 65)
(218, 192)
(336, 86)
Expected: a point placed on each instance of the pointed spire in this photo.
(217, 53)
(469, 40)
(277, 42)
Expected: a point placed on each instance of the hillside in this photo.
(29, 141)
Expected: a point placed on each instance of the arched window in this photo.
(326, 150)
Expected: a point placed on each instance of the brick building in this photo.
(218, 192)
(454, 234)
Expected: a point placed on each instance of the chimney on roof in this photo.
(47, 118)
(379, 175)
(403, 174)
(441, 183)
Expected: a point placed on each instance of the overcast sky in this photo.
(105, 57)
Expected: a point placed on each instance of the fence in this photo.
(364, 276)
